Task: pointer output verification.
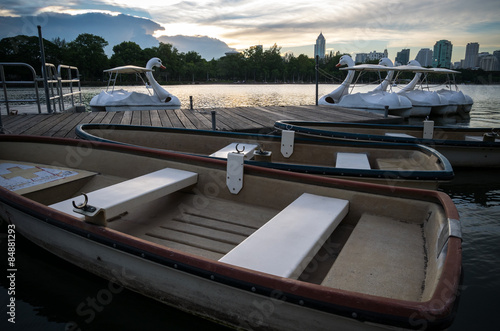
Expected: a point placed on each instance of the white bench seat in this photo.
(286, 244)
(245, 149)
(400, 135)
(116, 199)
(352, 161)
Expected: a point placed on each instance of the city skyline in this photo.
(349, 27)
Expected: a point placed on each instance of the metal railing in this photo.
(63, 83)
(69, 75)
(53, 88)
(5, 83)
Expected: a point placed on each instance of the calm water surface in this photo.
(52, 294)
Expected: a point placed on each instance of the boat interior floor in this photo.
(362, 254)
(365, 258)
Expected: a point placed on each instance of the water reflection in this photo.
(52, 294)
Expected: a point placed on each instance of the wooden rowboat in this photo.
(391, 164)
(463, 147)
(249, 247)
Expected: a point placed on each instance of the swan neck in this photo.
(411, 85)
(385, 83)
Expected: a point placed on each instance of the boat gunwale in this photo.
(341, 302)
(445, 174)
(301, 127)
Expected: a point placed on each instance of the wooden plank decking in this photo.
(227, 119)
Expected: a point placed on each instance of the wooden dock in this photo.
(226, 119)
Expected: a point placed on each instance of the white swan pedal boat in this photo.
(121, 100)
(427, 102)
(374, 101)
(249, 247)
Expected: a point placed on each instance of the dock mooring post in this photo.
(44, 71)
(191, 102)
(214, 125)
(317, 78)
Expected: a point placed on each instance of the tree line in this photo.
(87, 53)
(253, 65)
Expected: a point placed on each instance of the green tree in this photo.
(127, 53)
(170, 57)
(27, 50)
(273, 63)
(254, 56)
(193, 66)
(232, 67)
(87, 53)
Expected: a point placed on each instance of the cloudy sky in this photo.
(348, 26)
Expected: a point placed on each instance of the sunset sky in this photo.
(348, 26)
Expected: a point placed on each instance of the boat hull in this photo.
(194, 279)
(377, 101)
(463, 147)
(459, 103)
(420, 111)
(121, 100)
(162, 281)
(411, 166)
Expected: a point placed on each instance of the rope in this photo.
(327, 75)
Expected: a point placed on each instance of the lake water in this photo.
(50, 292)
(486, 110)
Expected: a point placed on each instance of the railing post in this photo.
(4, 85)
(44, 70)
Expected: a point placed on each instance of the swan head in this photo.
(414, 63)
(154, 62)
(385, 62)
(345, 60)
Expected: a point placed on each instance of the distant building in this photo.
(372, 56)
(471, 52)
(442, 54)
(232, 52)
(488, 62)
(424, 57)
(403, 57)
(361, 57)
(497, 55)
(320, 47)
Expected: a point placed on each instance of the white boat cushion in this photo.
(245, 149)
(401, 135)
(116, 199)
(352, 161)
(286, 244)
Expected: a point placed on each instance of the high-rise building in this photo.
(471, 52)
(442, 54)
(372, 56)
(361, 57)
(320, 47)
(487, 61)
(403, 57)
(497, 55)
(424, 57)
